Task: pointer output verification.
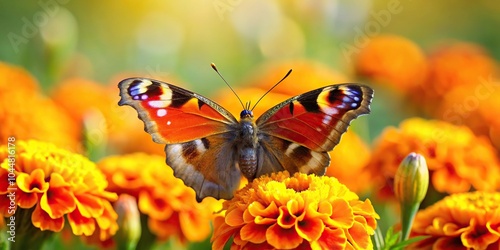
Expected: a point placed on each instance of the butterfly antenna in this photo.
(287, 74)
(216, 70)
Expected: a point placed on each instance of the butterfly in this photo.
(209, 149)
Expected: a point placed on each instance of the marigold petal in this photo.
(89, 205)
(222, 233)
(58, 201)
(258, 209)
(285, 219)
(193, 226)
(43, 220)
(260, 214)
(27, 200)
(157, 208)
(449, 229)
(254, 233)
(81, 225)
(282, 238)
(445, 243)
(107, 221)
(358, 236)
(338, 213)
(32, 183)
(477, 236)
(234, 218)
(330, 239)
(443, 178)
(310, 227)
(163, 229)
(296, 207)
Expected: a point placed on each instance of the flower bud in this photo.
(412, 179)
(410, 186)
(129, 222)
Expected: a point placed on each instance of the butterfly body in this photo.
(209, 149)
(247, 144)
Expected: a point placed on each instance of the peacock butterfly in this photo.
(209, 149)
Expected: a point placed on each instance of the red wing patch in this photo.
(172, 114)
(317, 119)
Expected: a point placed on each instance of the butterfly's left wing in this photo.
(298, 133)
(199, 134)
(172, 114)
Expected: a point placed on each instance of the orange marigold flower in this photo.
(457, 159)
(24, 82)
(472, 105)
(52, 185)
(458, 64)
(392, 60)
(348, 162)
(295, 212)
(120, 127)
(306, 76)
(464, 65)
(26, 114)
(460, 221)
(171, 206)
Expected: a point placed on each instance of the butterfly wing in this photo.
(206, 165)
(172, 114)
(198, 132)
(297, 133)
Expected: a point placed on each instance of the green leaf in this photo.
(391, 238)
(403, 244)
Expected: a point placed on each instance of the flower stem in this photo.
(408, 212)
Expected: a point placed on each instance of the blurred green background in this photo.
(98, 39)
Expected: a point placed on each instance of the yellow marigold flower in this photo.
(170, 206)
(457, 159)
(392, 60)
(26, 114)
(306, 75)
(53, 185)
(121, 128)
(300, 211)
(460, 221)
